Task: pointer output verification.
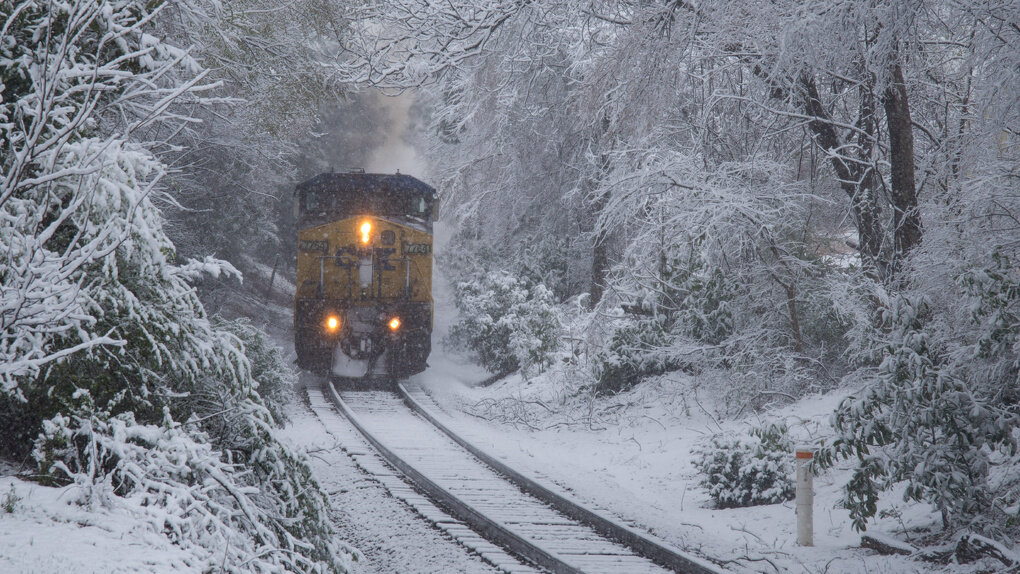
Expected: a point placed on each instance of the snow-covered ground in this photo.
(630, 455)
(43, 530)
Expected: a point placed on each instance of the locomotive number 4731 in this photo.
(310, 245)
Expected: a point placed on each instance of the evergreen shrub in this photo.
(738, 474)
(506, 322)
(633, 353)
(691, 303)
(921, 421)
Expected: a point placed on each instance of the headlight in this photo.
(333, 323)
(394, 323)
(366, 231)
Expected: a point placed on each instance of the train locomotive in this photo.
(363, 304)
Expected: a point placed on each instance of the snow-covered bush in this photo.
(689, 303)
(991, 292)
(120, 445)
(111, 372)
(699, 297)
(919, 421)
(547, 261)
(739, 474)
(506, 322)
(11, 501)
(269, 369)
(190, 492)
(635, 351)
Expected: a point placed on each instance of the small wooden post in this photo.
(805, 497)
(272, 278)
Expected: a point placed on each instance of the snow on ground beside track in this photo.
(49, 532)
(391, 537)
(631, 455)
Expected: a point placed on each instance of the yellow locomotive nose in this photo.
(366, 230)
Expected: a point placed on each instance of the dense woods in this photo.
(119, 122)
(775, 197)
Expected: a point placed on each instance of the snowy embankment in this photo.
(55, 529)
(391, 536)
(44, 529)
(631, 455)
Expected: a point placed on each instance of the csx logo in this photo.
(417, 248)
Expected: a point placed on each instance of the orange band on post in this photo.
(805, 454)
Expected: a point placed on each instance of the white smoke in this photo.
(395, 154)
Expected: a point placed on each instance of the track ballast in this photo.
(522, 516)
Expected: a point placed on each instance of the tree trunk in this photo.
(791, 305)
(599, 261)
(855, 175)
(600, 253)
(906, 216)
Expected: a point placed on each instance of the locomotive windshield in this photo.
(331, 196)
(326, 201)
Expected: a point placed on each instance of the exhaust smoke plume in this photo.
(395, 153)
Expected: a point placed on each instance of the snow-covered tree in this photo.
(518, 143)
(940, 366)
(506, 321)
(757, 188)
(76, 197)
(233, 162)
(112, 373)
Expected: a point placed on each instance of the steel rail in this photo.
(490, 529)
(641, 544)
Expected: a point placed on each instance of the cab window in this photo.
(417, 206)
(313, 202)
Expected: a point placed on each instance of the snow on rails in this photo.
(508, 509)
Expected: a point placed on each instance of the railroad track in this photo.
(505, 507)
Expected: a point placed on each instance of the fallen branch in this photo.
(886, 545)
(973, 547)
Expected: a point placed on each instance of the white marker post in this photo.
(805, 497)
